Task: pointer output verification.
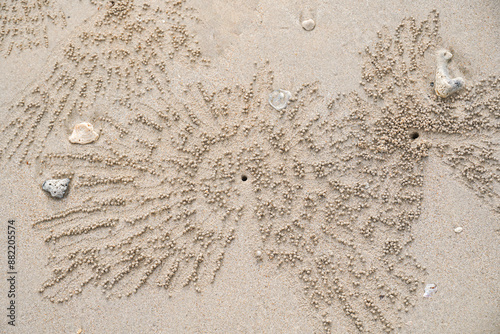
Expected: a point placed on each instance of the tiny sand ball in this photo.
(308, 24)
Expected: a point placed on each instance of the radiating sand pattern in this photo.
(334, 186)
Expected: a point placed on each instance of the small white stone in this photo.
(458, 229)
(308, 24)
(258, 254)
(56, 188)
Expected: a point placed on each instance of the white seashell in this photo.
(429, 290)
(458, 229)
(83, 133)
(308, 24)
(279, 99)
(444, 85)
(56, 188)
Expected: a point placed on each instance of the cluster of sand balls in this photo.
(123, 53)
(333, 188)
(23, 24)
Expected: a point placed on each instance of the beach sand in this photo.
(326, 216)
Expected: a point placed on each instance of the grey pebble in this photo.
(56, 188)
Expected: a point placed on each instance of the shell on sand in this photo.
(279, 99)
(445, 85)
(83, 133)
(430, 289)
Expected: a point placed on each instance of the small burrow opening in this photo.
(432, 84)
(244, 178)
(414, 135)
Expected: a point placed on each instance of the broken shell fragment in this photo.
(83, 133)
(56, 188)
(308, 25)
(444, 84)
(279, 99)
(429, 290)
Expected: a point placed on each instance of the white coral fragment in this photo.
(83, 133)
(56, 188)
(445, 85)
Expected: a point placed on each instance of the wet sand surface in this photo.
(202, 208)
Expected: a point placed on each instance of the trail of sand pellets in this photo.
(334, 186)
